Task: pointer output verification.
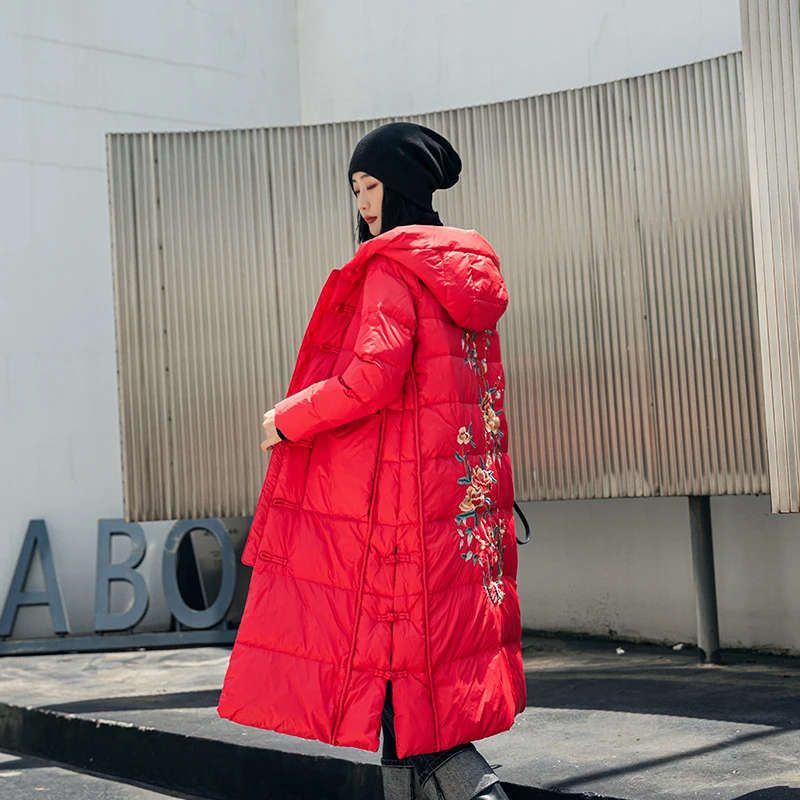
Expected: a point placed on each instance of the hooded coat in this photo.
(383, 543)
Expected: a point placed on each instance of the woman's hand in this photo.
(269, 426)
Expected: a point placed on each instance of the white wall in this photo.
(608, 567)
(69, 73)
(623, 568)
(361, 59)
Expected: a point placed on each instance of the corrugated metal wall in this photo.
(771, 40)
(621, 215)
(196, 310)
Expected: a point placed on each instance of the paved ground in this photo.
(648, 724)
(25, 777)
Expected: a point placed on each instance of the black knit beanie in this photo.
(410, 159)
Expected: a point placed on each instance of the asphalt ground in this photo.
(648, 723)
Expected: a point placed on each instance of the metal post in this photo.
(705, 586)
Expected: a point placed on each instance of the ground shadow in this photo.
(670, 690)
(645, 681)
(773, 793)
(673, 758)
(200, 699)
(18, 762)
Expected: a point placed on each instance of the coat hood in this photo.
(459, 266)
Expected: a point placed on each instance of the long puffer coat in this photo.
(383, 543)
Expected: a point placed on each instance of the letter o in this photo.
(190, 617)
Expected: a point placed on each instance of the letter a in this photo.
(18, 596)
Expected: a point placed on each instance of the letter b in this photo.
(104, 620)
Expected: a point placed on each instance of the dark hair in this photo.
(395, 211)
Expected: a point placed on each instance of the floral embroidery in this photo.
(478, 529)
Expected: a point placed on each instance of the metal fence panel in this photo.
(771, 40)
(693, 208)
(621, 216)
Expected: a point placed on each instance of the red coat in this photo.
(383, 544)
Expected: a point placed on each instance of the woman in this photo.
(383, 544)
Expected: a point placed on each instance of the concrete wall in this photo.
(362, 59)
(70, 73)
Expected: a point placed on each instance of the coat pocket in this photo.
(290, 487)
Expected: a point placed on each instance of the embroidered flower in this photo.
(482, 480)
(474, 499)
(490, 419)
(480, 533)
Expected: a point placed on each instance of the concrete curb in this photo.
(198, 766)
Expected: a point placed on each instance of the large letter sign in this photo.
(122, 571)
(51, 596)
(117, 631)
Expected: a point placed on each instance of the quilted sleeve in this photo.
(381, 359)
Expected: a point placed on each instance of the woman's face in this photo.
(369, 195)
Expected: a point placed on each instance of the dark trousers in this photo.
(424, 763)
